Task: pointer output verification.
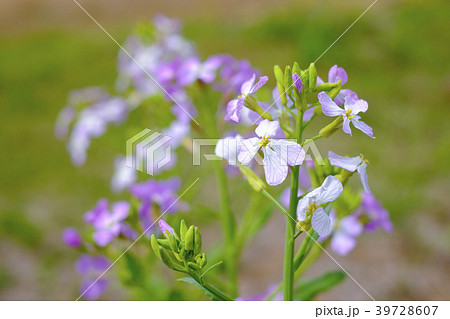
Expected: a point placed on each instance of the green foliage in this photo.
(309, 289)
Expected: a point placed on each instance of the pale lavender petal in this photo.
(343, 94)
(247, 85)
(342, 243)
(267, 128)
(302, 206)
(321, 222)
(330, 190)
(228, 148)
(234, 108)
(363, 176)
(346, 126)
(336, 73)
(123, 176)
(308, 114)
(329, 108)
(259, 84)
(290, 152)
(351, 225)
(275, 169)
(319, 80)
(356, 105)
(92, 289)
(297, 82)
(349, 163)
(103, 237)
(120, 210)
(363, 127)
(248, 150)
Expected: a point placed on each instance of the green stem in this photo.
(288, 269)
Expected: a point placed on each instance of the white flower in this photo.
(351, 164)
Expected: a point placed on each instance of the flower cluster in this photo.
(161, 69)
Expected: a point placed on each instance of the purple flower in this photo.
(192, 70)
(377, 215)
(91, 268)
(351, 164)
(351, 108)
(123, 176)
(334, 75)
(165, 228)
(309, 206)
(344, 239)
(278, 153)
(235, 106)
(65, 118)
(107, 224)
(161, 195)
(71, 237)
(228, 148)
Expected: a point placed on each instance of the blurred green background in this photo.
(396, 57)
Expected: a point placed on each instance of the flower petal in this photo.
(343, 94)
(342, 243)
(234, 108)
(228, 148)
(308, 114)
(363, 127)
(349, 163)
(291, 152)
(321, 222)
(267, 128)
(297, 82)
(329, 191)
(261, 82)
(363, 176)
(356, 105)
(346, 126)
(275, 167)
(329, 108)
(120, 210)
(336, 73)
(248, 150)
(247, 85)
(302, 207)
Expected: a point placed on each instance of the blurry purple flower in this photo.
(107, 224)
(278, 153)
(344, 239)
(65, 118)
(165, 227)
(71, 237)
(123, 176)
(165, 24)
(192, 70)
(309, 205)
(351, 164)
(351, 109)
(91, 268)
(377, 215)
(162, 194)
(235, 106)
(297, 82)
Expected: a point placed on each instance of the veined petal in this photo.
(275, 168)
(363, 127)
(356, 105)
(234, 108)
(321, 222)
(328, 106)
(248, 150)
(290, 151)
(302, 207)
(267, 128)
(228, 148)
(329, 191)
(346, 126)
(343, 94)
(336, 73)
(261, 82)
(363, 176)
(247, 85)
(349, 163)
(308, 114)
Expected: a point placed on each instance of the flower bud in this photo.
(155, 246)
(288, 78)
(296, 69)
(164, 243)
(201, 260)
(280, 83)
(169, 261)
(173, 243)
(193, 266)
(183, 229)
(325, 87)
(251, 103)
(344, 176)
(335, 91)
(198, 241)
(312, 76)
(331, 128)
(255, 182)
(189, 239)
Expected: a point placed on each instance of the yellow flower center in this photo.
(348, 114)
(312, 208)
(264, 141)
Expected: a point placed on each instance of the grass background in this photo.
(396, 57)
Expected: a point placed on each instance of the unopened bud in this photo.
(164, 243)
(335, 91)
(193, 266)
(169, 261)
(173, 243)
(155, 246)
(189, 239)
(312, 76)
(288, 78)
(198, 241)
(331, 128)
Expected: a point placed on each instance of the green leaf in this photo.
(196, 284)
(309, 289)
